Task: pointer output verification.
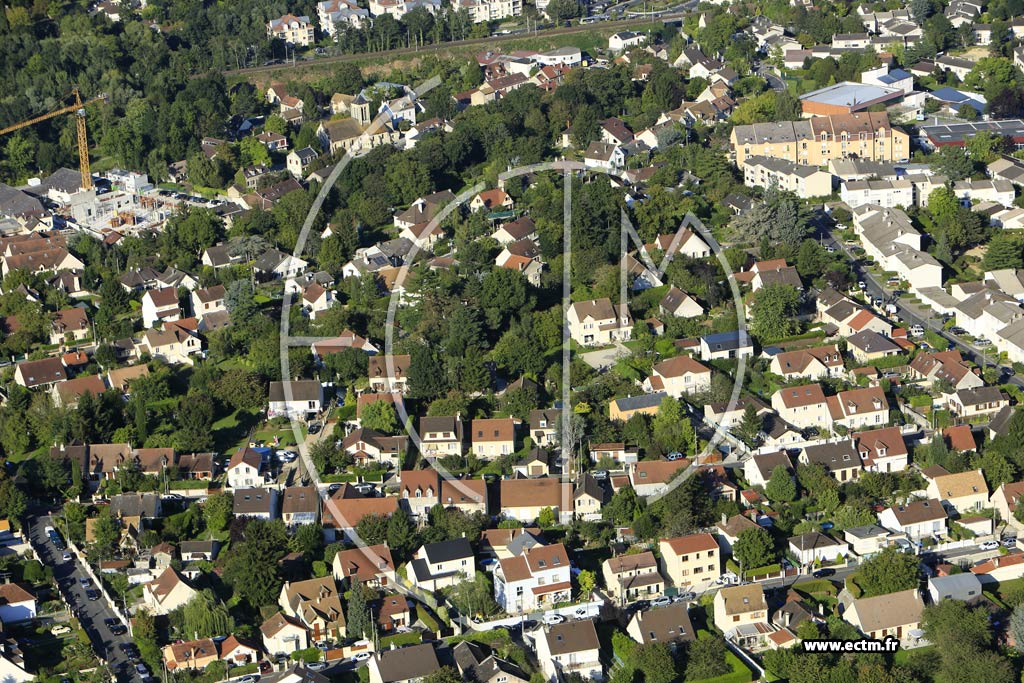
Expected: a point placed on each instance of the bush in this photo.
(401, 639)
(310, 654)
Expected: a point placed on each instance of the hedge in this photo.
(816, 586)
(401, 640)
(427, 618)
(310, 654)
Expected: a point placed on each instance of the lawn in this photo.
(232, 430)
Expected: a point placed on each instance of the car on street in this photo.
(861, 285)
(85, 581)
(989, 545)
(823, 573)
(661, 601)
(552, 619)
(916, 331)
(67, 557)
(685, 597)
(333, 487)
(360, 656)
(251, 678)
(92, 594)
(316, 666)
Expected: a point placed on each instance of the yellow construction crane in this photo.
(78, 109)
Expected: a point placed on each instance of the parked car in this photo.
(360, 657)
(640, 605)
(581, 612)
(989, 545)
(599, 474)
(142, 669)
(67, 557)
(251, 678)
(675, 455)
(551, 619)
(982, 342)
(60, 630)
(315, 428)
(661, 601)
(916, 331)
(85, 581)
(823, 573)
(92, 594)
(1010, 542)
(316, 666)
(685, 597)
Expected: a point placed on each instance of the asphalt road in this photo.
(90, 613)
(875, 289)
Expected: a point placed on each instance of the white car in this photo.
(989, 545)
(552, 619)
(60, 630)
(361, 657)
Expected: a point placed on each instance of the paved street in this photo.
(90, 613)
(920, 315)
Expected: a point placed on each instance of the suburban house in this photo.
(255, 503)
(316, 603)
(895, 614)
(670, 625)
(441, 565)
(371, 565)
(737, 606)
(693, 560)
(839, 458)
(817, 547)
(535, 577)
(882, 450)
(803, 406)
(403, 665)
(243, 470)
(389, 373)
(812, 364)
(652, 477)
(965, 492)
(679, 304)
(524, 499)
(40, 373)
(678, 376)
(16, 604)
(726, 345)
(69, 324)
(194, 655)
(632, 577)
(1005, 499)
(296, 399)
(978, 404)
(542, 426)
(160, 305)
(441, 436)
(166, 593)
(597, 322)
(300, 505)
(965, 586)
(757, 469)
(493, 437)
(570, 648)
(366, 445)
(284, 634)
(919, 519)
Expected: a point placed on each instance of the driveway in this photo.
(604, 358)
(90, 613)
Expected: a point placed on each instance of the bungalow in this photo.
(491, 200)
(410, 664)
(869, 540)
(617, 452)
(621, 409)
(17, 604)
(679, 304)
(726, 345)
(977, 404)
(366, 445)
(894, 614)
(1000, 569)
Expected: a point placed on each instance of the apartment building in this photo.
(292, 30)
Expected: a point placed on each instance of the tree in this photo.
(750, 426)
(401, 534)
(888, 572)
(655, 663)
(774, 313)
(779, 219)
(780, 486)
(1003, 251)
(586, 580)
(446, 674)
(358, 620)
(217, 510)
(204, 616)
(623, 508)
(952, 622)
(251, 568)
(379, 416)
(953, 163)
(669, 426)
(106, 533)
(372, 529)
(753, 548)
(1017, 626)
(546, 518)
(706, 659)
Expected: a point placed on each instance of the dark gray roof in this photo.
(834, 456)
(870, 341)
(254, 501)
(136, 505)
(976, 395)
(287, 676)
(727, 341)
(403, 664)
(62, 180)
(640, 401)
(446, 551)
(301, 390)
(15, 203)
